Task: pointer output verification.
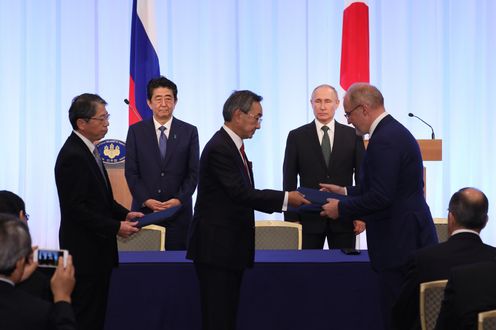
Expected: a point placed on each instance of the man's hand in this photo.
(133, 215)
(63, 281)
(332, 188)
(30, 266)
(171, 203)
(359, 227)
(295, 199)
(128, 228)
(330, 209)
(154, 205)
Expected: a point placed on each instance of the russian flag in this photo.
(355, 44)
(144, 60)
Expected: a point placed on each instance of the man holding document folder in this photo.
(390, 197)
(222, 240)
(90, 217)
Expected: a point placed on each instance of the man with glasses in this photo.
(323, 151)
(222, 242)
(38, 284)
(21, 310)
(162, 162)
(90, 217)
(390, 196)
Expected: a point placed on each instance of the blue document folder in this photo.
(317, 198)
(157, 217)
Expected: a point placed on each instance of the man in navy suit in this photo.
(390, 197)
(222, 243)
(162, 162)
(323, 151)
(467, 216)
(90, 217)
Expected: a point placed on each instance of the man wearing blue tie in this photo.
(162, 162)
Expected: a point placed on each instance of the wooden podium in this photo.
(119, 184)
(431, 150)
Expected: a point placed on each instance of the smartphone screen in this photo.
(48, 258)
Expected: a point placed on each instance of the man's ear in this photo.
(80, 123)
(236, 115)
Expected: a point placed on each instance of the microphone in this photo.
(133, 109)
(433, 136)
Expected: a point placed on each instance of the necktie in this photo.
(326, 145)
(99, 163)
(162, 142)
(245, 161)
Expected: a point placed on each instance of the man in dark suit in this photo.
(323, 151)
(471, 289)
(38, 283)
(90, 217)
(159, 180)
(467, 216)
(390, 197)
(222, 241)
(19, 309)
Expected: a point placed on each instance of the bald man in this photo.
(390, 197)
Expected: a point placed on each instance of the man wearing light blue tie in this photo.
(162, 162)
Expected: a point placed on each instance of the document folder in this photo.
(157, 217)
(317, 198)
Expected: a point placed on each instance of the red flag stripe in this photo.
(355, 45)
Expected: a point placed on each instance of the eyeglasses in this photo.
(258, 119)
(26, 216)
(102, 118)
(348, 114)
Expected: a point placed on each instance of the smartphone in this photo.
(350, 251)
(50, 258)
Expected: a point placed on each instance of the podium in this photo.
(118, 181)
(431, 150)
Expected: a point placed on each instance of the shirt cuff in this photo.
(285, 203)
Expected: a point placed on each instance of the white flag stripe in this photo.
(146, 13)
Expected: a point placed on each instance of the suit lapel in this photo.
(151, 139)
(337, 144)
(94, 166)
(172, 140)
(239, 160)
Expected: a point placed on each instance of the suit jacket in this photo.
(390, 197)
(470, 290)
(223, 228)
(304, 158)
(174, 177)
(434, 263)
(20, 310)
(90, 217)
(38, 285)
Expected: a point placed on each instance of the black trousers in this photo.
(89, 300)
(390, 284)
(219, 290)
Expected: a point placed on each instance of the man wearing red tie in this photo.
(222, 240)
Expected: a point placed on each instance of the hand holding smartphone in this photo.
(50, 258)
